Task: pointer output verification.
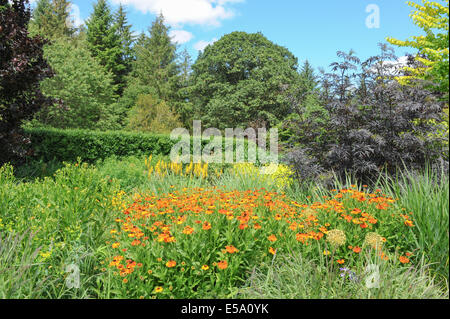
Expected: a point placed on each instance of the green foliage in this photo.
(104, 41)
(242, 78)
(433, 51)
(151, 115)
(127, 39)
(84, 86)
(155, 69)
(51, 19)
(67, 213)
(68, 145)
(291, 276)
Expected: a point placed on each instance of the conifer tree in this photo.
(127, 39)
(51, 19)
(104, 41)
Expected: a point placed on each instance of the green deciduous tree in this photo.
(83, 86)
(433, 47)
(152, 115)
(242, 78)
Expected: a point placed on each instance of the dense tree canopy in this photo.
(242, 78)
(83, 86)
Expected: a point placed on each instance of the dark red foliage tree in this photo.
(22, 67)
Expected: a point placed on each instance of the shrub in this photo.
(374, 125)
(152, 115)
(68, 145)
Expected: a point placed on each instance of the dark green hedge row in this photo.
(69, 145)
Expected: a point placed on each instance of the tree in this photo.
(240, 79)
(22, 67)
(83, 86)
(152, 115)
(182, 105)
(155, 64)
(51, 19)
(433, 47)
(104, 41)
(155, 70)
(127, 39)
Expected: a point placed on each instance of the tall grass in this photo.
(294, 277)
(426, 194)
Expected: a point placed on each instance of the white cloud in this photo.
(180, 36)
(177, 12)
(393, 68)
(75, 15)
(201, 45)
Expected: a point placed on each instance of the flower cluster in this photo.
(194, 237)
(278, 175)
(162, 169)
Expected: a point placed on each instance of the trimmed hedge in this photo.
(68, 145)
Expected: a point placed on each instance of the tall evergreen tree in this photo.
(155, 64)
(127, 39)
(104, 41)
(155, 70)
(51, 19)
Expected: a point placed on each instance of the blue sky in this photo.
(312, 30)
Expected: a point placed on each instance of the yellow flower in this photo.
(158, 289)
(336, 237)
(374, 240)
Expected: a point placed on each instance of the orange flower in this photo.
(171, 264)
(243, 226)
(231, 249)
(136, 242)
(188, 230)
(357, 250)
(222, 264)
(257, 226)
(272, 251)
(404, 259)
(115, 245)
(340, 261)
(272, 238)
(125, 280)
(206, 226)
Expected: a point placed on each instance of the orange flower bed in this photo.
(196, 240)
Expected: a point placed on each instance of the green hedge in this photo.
(68, 145)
